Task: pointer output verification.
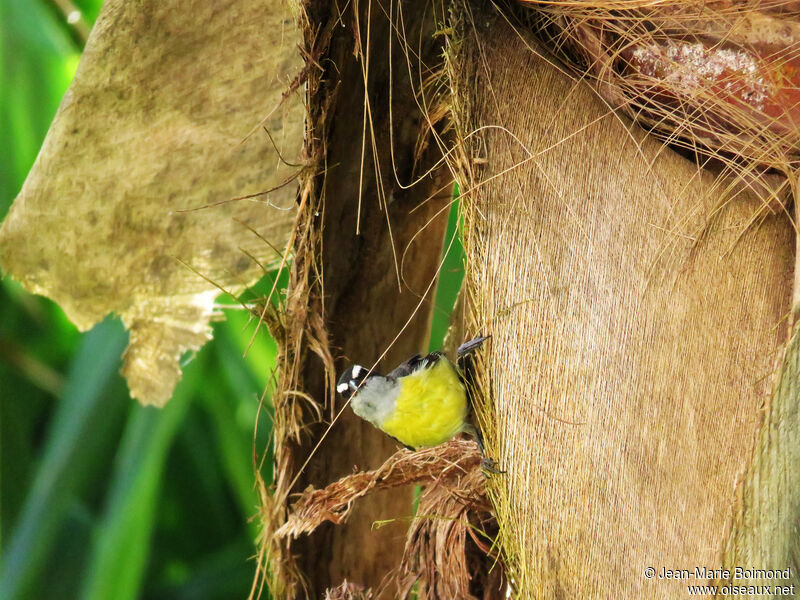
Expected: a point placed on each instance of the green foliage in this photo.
(450, 277)
(99, 497)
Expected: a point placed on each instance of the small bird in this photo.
(422, 403)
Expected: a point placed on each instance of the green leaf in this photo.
(121, 546)
(37, 62)
(450, 277)
(71, 454)
(233, 407)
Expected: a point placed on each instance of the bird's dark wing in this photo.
(419, 362)
(414, 363)
(431, 359)
(406, 368)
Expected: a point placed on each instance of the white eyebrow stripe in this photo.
(357, 371)
(342, 388)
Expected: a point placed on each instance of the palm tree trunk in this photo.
(637, 311)
(367, 254)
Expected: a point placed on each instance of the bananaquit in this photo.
(422, 403)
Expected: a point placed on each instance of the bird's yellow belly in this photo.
(430, 408)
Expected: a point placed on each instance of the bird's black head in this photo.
(351, 379)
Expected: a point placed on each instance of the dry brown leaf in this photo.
(333, 503)
(349, 591)
(448, 549)
(156, 123)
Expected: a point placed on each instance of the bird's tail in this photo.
(470, 346)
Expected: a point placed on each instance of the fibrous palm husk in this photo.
(637, 313)
(349, 591)
(718, 78)
(449, 549)
(366, 253)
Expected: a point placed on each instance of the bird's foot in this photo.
(488, 465)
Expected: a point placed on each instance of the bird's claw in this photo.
(488, 465)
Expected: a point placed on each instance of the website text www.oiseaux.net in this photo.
(738, 581)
